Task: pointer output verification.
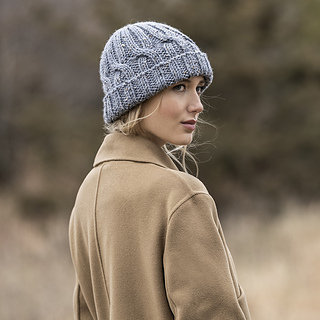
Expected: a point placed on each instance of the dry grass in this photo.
(36, 271)
(278, 263)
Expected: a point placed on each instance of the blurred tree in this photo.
(267, 77)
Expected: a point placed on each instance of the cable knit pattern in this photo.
(141, 59)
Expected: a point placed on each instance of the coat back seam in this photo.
(96, 233)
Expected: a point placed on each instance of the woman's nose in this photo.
(195, 104)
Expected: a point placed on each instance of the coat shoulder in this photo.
(184, 181)
(178, 186)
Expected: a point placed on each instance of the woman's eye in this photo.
(200, 89)
(180, 87)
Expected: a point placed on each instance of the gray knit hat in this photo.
(141, 59)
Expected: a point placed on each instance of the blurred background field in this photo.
(262, 168)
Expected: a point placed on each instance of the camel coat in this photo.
(146, 241)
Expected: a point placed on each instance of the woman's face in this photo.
(171, 115)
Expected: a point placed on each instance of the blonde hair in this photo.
(130, 123)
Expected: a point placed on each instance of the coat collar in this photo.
(117, 146)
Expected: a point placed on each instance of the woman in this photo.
(145, 238)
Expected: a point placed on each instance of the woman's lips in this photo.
(189, 124)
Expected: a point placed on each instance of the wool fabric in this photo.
(142, 59)
(146, 241)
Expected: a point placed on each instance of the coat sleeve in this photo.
(200, 278)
